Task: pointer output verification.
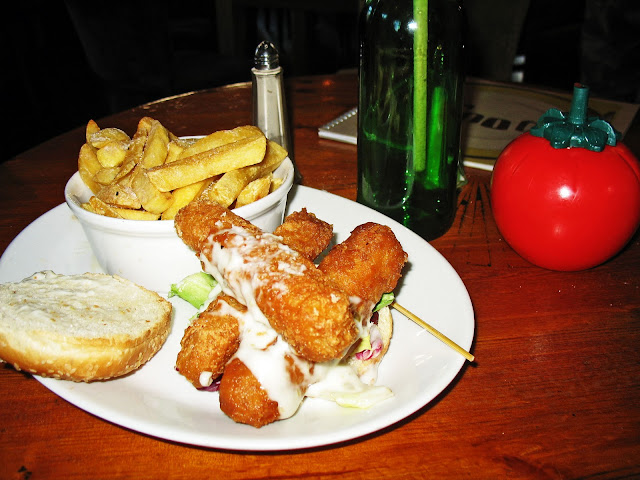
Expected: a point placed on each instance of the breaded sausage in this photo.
(243, 399)
(194, 223)
(298, 301)
(210, 341)
(305, 233)
(367, 264)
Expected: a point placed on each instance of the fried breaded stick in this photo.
(210, 341)
(305, 233)
(297, 300)
(195, 222)
(243, 399)
(366, 265)
(246, 400)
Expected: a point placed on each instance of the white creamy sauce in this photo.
(339, 383)
(370, 374)
(236, 266)
(206, 378)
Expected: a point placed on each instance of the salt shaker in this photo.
(269, 106)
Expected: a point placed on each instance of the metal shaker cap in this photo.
(266, 56)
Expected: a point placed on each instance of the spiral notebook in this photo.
(494, 114)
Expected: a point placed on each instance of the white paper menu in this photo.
(494, 114)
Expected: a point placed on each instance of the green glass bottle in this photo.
(409, 111)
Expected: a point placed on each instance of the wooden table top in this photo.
(554, 393)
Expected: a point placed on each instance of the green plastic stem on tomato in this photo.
(579, 105)
(575, 128)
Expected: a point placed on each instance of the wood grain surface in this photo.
(554, 393)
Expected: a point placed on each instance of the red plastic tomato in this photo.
(565, 208)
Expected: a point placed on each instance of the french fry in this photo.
(155, 149)
(105, 176)
(182, 196)
(219, 138)
(135, 151)
(275, 184)
(92, 127)
(254, 191)
(107, 135)
(150, 197)
(119, 195)
(144, 127)
(227, 189)
(136, 214)
(113, 153)
(154, 174)
(174, 149)
(88, 166)
(95, 205)
(198, 167)
(125, 171)
(89, 208)
(102, 208)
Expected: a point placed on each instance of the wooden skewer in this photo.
(446, 340)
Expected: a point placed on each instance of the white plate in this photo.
(157, 401)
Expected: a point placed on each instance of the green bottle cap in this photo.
(574, 128)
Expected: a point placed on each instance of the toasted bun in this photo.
(80, 327)
(367, 370)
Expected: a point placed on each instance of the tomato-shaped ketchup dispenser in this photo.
(566, 194)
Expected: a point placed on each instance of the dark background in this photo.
(58, 74)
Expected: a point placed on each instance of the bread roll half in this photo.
(80, 327)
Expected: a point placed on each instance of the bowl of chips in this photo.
(126, 202)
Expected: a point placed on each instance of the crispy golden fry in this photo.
(124, 174)
(156, 147)
(162, 172)
(136, 148)
(152, 199)
(276, 182)
(102, 208)
(227, 189)
(247, 151)
(174, 149)
(136, 214)
(119, 195)
(107, 135)
(95, 205)
(219, 138)
(144, 127)
(106, 176)
(92, 127)
(88, 166)
(255, 190)
(89, 208)
(182, 196)
(113, 153)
